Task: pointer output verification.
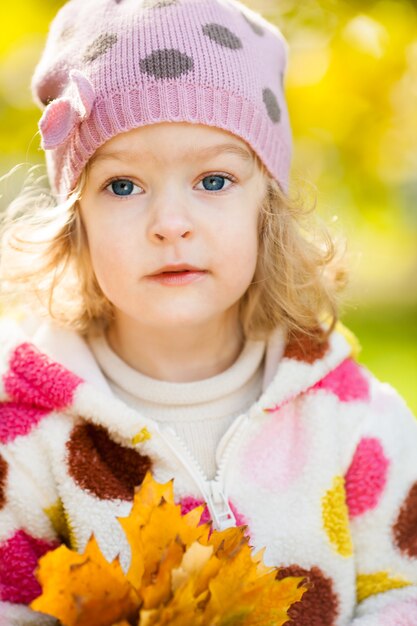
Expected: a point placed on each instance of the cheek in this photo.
(241, 248)
(110, 257)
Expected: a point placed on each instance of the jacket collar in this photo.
(288, 371)
(303, 364)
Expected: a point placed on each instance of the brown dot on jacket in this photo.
(306, 347)
(103, 467)
(405, 528)
(3, 479)
(319, 605)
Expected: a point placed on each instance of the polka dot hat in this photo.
(112, 65)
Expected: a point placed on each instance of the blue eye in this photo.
(121, 187)
(215, 182)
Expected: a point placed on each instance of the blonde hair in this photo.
(45, 264)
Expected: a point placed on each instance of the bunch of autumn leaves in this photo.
(181, 574)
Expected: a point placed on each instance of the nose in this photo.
(169, 224)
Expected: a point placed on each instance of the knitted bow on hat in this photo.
(64, 114)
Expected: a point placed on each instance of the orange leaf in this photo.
(84, 589)
(165, 526)
(147, 497)
(159, 590)
(273, 602)
(182, 610)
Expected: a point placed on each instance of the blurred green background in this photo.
(352, 95)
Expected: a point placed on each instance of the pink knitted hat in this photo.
(112, 65)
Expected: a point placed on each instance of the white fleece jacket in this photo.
(322, 468)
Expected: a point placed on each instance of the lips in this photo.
(176, 269)
(177, 278)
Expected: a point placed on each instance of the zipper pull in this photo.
(220, 511)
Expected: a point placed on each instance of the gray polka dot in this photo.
(257, 28)
(166, 63)
(99, 47)
(222, 35)
(272, 105)
(158, 4)
(67, 32)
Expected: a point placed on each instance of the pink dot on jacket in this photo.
(18, 561)
(33, 378)
(347, 382)
(366, 478)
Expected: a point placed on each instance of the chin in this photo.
(186, 319)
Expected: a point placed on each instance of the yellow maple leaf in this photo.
(84, 589)
(154, 522)
(192, 564)
(146, 498)
(274, 598)
(159, 589)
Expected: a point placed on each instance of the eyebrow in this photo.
(195, 153)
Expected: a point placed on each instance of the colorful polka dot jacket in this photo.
(322, 469)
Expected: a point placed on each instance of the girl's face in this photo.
(173, 193)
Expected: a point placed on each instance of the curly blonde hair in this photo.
(45, 264)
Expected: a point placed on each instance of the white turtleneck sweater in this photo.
(200, 412)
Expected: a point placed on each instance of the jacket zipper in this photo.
(212, 490)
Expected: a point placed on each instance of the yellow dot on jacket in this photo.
(336, 519)
(371, 584)
(142, 435)
(61, 523)
(352, 340)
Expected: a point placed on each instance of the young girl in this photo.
(190, 322)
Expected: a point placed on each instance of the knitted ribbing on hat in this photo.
(112, 65)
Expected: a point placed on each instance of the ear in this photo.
(62, 115)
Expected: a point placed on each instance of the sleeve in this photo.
(381, 494)
(28, 527)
